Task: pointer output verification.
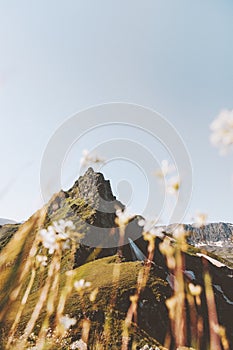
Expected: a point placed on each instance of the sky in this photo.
(58, 58)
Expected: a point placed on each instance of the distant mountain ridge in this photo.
(210, 233)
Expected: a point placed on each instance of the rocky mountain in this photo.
(96, 256)
(215, 238)
(212, 233)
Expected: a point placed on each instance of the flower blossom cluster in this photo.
(166, 169)
(222, 131)
(79, 345)
(150, 228)
(173, 185)
(147, 347)
(89, 158)
(57, 235)
(67, 322)
(81, 284)
(123, 217)
(166, 172)
(200, 220)
(42, 260)
(179, 233)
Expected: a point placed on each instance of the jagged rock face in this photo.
(206, 234)
(216, 238)
(97, 193)
(110, 236)
(102, 230)
(6, 233)
(210, 233)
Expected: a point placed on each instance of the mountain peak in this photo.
(96, 191)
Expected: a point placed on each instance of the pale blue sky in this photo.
(59, 57)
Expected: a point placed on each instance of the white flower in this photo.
(158, 232)
(85, 158)
(123, 217)
(166, 168)
(79, 345)
(90, 158)
(194, 289)
(149, 227)
(179, 233)
(81, 284)
(49, 239)
(42, 259)
(67, 321)
(173, 185)
(200, 219)
(56, 234)
(222, 131)
(63, 226)
(172, 182)
(147, 347)
(148, 224)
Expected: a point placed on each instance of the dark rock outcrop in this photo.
(215, 238)
(6, 233)
(97, 193)
(210, 233)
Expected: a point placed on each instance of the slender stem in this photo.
(212, 312)
(21, 308)
(43, 296)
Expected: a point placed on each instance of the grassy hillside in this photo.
(106, 319)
